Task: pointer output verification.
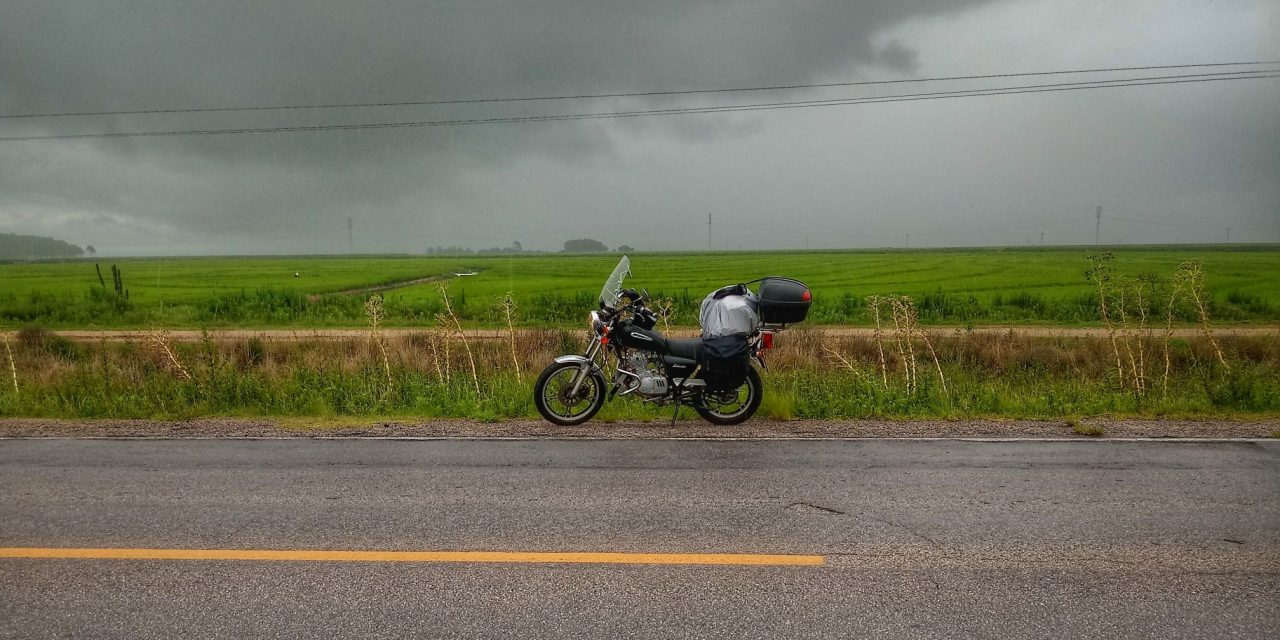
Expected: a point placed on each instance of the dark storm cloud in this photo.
(75, 56)
(411, 188)
(65, 56)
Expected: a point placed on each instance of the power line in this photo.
(1167, 223)
(637, 94)
(966, 229)
(970, 93)
(1181, 223)
(983, 229)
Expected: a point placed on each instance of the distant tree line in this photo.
(581, 245)
(16, 247)
(515, 247)
(590, 245)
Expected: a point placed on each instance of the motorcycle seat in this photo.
(686, 348)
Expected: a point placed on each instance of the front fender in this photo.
(586, 366)
(584, 363)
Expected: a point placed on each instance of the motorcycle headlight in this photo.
(597, 325)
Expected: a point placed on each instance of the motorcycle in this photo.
(715, 374)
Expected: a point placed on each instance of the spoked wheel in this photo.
(556, 400)
(735, 406)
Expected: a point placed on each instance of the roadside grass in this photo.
(950, 287)
(1090, 430)
(987, 375)
(779, 403)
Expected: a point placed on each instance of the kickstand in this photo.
(675, 413)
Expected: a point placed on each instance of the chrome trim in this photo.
(585, 364)
(639, 380)
(688, 384)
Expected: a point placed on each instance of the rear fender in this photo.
(758, 357)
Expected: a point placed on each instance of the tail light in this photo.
(766, 339)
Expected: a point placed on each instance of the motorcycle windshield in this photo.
(613, 286)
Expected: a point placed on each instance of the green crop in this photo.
(956, 287)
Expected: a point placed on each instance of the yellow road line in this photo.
(412, 556)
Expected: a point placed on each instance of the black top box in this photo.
(783, 300)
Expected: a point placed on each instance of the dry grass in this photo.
(375, 312)
(1100, 273)
(508, 306)
(903, 323)
(1190, 276)
(835, 356)
(1124, 307)
(906, 332)
(13, 368)
(1090, 430)
(159, 340)
(1170, 309)
(664, 307)
(456, 325)
(873, 305)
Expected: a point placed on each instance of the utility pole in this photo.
(1042, 238)
(351, 236)
(908, 241)
(709, 247)
(1097, 229)
(1228, 235)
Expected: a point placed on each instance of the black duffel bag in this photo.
(725, 362)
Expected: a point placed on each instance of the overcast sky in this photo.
(1175, 163)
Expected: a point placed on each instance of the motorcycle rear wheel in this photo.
(733, 407)
(552, 394)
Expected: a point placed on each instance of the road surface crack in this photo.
(910, 530)
(809, 506)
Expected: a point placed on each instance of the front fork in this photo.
(588, 360)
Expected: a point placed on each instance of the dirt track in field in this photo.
(294, 335)
(364, 291)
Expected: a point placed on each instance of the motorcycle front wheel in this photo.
(553, 394)
(734, 406)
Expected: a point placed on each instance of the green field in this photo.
(997, 286)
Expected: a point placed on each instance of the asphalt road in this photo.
(920, 538)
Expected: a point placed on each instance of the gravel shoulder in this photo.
(329, 428)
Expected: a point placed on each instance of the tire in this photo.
(562, 409)
(747, 402)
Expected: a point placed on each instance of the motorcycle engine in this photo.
(647, 380)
